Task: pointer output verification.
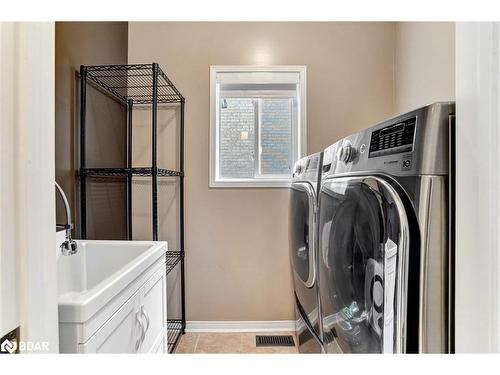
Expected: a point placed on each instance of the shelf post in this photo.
(154, 152)
(130, 104)
(181, 214)
(83, 187)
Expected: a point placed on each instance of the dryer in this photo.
(384, 234)
(303, 251)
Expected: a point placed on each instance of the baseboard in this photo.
(241, 326)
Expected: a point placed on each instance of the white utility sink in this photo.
(99, 270)
(99, 280)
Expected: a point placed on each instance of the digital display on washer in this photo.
(393, 139)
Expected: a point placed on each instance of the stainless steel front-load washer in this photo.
(384, 234)
(303, 251)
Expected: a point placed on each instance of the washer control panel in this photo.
(393, 139)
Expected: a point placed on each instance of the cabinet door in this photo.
(121, 333)
(153, 310)
(160, 349)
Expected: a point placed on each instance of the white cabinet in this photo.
(120, 334)
(137, 325)
(153, 310)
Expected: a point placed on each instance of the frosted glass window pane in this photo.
(276, 137)
(237, 138)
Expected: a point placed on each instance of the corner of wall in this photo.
(395, 65)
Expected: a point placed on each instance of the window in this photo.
(257, 124)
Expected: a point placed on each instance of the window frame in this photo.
(299, 131)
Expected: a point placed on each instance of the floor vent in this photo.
(274, 340)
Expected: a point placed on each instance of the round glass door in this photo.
(302, 201)
(361, 230)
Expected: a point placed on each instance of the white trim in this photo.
(241, 326)
(252, 183)
(9, 310)
(477, 284)
(214, 105)
(27, 190)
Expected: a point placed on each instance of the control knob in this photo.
(346, 153)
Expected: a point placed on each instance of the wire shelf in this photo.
(123, 172)
(133, 82)
(174, 331)
(137, 86)
(172, 258)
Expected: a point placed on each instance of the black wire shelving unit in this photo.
(137, 86)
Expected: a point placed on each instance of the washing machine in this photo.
(304, 251)
(385, 231)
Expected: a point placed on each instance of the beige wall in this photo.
(425, 64)
(237, 265)
(90, 43)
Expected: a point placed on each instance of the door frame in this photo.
(477, 259)
(27, 149)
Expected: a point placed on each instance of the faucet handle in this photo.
(64, 226)
(69, 247)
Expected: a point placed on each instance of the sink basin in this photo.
(99, 272)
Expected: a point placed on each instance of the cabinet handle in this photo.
(143, 333)
(145, 316)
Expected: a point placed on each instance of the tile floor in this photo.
(237, 343)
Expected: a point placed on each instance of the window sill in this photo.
(250, 184)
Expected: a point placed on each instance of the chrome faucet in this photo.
(69, 246)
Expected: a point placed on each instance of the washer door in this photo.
(302, 223)
(363, 237)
